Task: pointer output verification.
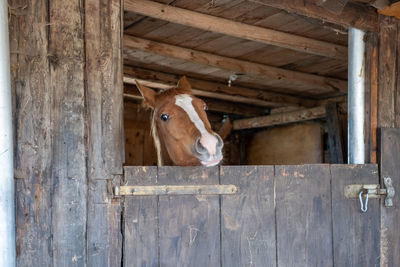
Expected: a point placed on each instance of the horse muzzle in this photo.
(208, 150)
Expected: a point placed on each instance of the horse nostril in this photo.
(220, 142)
(200, 148)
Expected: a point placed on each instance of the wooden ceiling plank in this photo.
(237, 29)
(352, 15)
(268, 73)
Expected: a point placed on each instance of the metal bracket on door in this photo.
(153, 190)
(367, 191)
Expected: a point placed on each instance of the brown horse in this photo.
(180, 127)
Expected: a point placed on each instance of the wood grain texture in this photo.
(303, 202)
(248, 218)
(280, 119)
(69, 192)
(189, 225)
(268, 73)
(236, 29)
(390, 216)
(103, 45)
(352, 15)
(32, 96)
(387, 71)
(141, 220)
(354, 233)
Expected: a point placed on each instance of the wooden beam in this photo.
(352, 15)
(268, 73)
(279, 119)
(236, 29)
(334, 134)
(131, 92)
(215, 90)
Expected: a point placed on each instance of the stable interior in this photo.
(305, 113)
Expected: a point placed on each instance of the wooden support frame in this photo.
(280, 119)
(267, 73)
(334, 134)
(352, 15)
(236, 29)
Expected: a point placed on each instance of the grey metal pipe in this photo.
(7, 206)
(356, 92)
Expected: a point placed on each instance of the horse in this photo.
(180, 128)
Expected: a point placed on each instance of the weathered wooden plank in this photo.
(69, 192)
(387, 71)
(189, 225)
(103, 31)
(303, 215)
(390, 216)
(236, 29)
(172, 80)
(30, 81)
(334, 134)
(141, 220)
(248, 218)
(352, 15)
(279, 119)
(355, 234)
(269, 74)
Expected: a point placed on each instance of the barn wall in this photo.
(67, 93)
(292, 144)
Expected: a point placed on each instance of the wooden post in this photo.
(334, 134)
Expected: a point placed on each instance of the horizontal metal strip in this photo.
(175, 190)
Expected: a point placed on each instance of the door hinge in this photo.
(366, 191)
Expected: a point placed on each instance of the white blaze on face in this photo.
(207, 140)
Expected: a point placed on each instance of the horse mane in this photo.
(156, 138)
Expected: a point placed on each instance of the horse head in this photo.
(181, 124)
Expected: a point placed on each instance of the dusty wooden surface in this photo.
(387, 72)
(69, 192)
(68, 131)
(104, 102)
(141, 220)
(248, 232)
(354, 230)
(303, 215)
(390, 216)
(33, 133)
(189, 225)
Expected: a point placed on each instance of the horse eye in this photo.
(205, 108)
(164, 117)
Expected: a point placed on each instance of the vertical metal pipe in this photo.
(356, 92)
(7, 210)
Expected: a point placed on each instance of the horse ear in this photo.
(148, 94)
(184, 86)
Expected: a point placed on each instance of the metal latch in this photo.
(140, 190)
(367, 191)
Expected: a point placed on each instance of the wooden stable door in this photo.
(281, 216)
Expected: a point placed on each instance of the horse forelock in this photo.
(156, 138)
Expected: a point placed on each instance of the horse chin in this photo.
(211, 162)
